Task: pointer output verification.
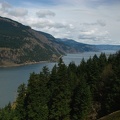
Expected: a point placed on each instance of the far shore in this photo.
(17, 65)
(11, 64)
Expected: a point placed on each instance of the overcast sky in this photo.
(86, 21)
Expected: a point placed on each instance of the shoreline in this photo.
(23, 64)
(8, 64)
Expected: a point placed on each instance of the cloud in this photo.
(94, 36)
(83, 20)
(101, 23)
(18, 12)
(49, 24)
(45, 13)
(8, 10)
(4, 6)
(98, 22)
(118, 19)
(98, 3)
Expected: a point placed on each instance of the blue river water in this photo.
(12, 77)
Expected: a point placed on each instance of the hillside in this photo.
(112, 116)
(76, 47)
(82, 47)
(20, 44)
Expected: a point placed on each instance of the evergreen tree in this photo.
(61, 96)
(81, 103)
(38, 97)
(21, 103)
(7, 113)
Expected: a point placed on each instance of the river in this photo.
(12, 77)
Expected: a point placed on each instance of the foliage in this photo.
(112, 116)
(69, 92)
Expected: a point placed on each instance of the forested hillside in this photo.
(84, 92)
(76, 47)
(20, 44)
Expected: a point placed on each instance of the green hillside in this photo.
(20, 44)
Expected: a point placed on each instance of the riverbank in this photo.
(9, 64)
(12, 64)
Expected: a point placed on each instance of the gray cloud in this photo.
(4, 6)
(18, 12)
(94, 36)
(44, 23)
(45, 13)
(118, 19)
(41, 24)
(8, 10)
(99, 22)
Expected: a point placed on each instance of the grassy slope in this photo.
(112, 116)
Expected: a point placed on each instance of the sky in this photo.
(86, 21)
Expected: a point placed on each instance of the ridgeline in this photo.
(19, 44)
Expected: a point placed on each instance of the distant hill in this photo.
(108, 47)
(82, 47)
(76, 46)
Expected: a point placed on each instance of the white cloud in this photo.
(18, 12)
(45, 23)
(98, 22)
(76, 19)
(8, 10)
(101, 23)
(4, 7)
(45, 13)
(94, 36)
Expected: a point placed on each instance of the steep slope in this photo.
(20, 44)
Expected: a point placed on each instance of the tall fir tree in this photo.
(21, 104)
(61, 96)
(82, 101)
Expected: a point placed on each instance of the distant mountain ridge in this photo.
(108, 47)
(20, 44)
(76, 46)
(82, 47)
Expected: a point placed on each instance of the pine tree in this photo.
(61, 96)
(37, 97)
(81, 101)
(21, 103)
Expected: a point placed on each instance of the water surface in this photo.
(12, 77)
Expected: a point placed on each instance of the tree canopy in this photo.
(69, 92)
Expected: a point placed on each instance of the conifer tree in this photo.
(37, 97)
(21, 103)
(61, 96)
(82, 100)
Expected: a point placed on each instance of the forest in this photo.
(86, 91)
